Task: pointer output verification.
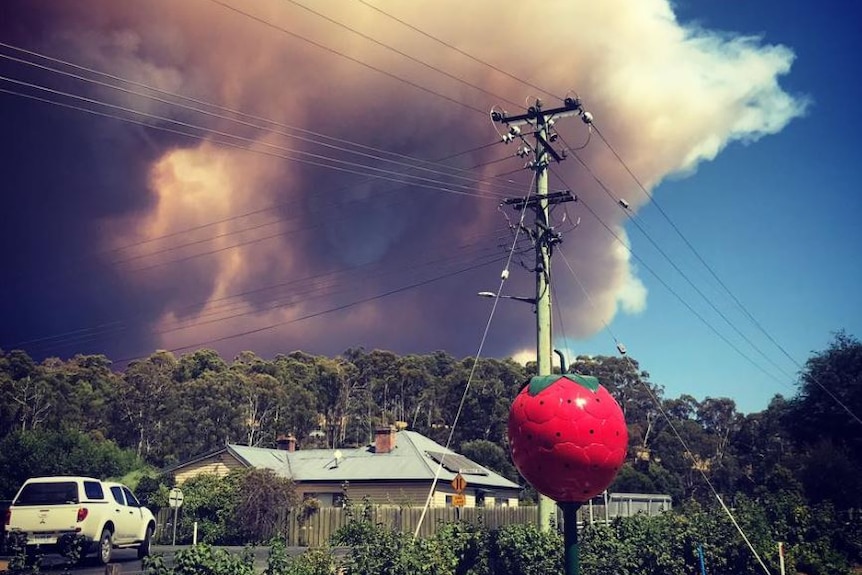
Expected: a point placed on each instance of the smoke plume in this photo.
(321, 233)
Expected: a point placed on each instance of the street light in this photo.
(529, 300)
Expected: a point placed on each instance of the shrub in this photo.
(312, 562)
(243, 507)
(465, 547)
(525, 550)
(376, 550)
(206, 560)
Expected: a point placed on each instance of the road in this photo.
(129, 563)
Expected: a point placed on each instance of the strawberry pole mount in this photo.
(567, 436)
(568, 439)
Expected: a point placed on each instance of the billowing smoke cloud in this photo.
(666, 95)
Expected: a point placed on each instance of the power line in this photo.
(380, 174)
(673, 292)
(458, 50)
(314, 287)
(399, 52)
(503, 277)
(315, 157)
(617, 201)
(346, 56)
(649, 196)
(342, 307)
(720, 282)
(145, 95)
(316, 135)
(229, 218)
(670, 423)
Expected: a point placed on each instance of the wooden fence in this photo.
(317, 530)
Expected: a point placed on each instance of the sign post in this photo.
(175, 501)
(459, 500)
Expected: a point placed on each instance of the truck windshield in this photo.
(53, 493)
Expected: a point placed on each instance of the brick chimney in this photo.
(286, 442)
(384, 439)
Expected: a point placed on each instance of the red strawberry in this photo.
(568, 436)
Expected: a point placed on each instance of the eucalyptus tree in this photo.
(26, 397)
(298, 412)
(414, 377)
(85, 384)
(142, 400)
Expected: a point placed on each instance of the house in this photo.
(398, 469)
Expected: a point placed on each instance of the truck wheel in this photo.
(106, 546)
(144, 548)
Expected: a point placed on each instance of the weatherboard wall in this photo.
(219, 464)
(401, 494)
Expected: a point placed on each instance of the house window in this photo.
(480, 499)
(338, 499)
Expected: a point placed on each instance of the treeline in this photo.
(75, 415)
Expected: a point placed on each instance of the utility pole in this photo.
(541, 121)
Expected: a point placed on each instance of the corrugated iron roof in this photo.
(408, 461)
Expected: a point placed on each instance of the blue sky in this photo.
(155, 226)
(778, 221)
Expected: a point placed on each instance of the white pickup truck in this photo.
(106, 514)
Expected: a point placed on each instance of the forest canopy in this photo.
(82, 415)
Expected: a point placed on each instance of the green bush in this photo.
(377, 550)
(465, 547)
(243, 507)
(25, 454)
(525, 550)
(312, 562)
(206, 560)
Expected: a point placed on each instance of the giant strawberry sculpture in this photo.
(568, 436)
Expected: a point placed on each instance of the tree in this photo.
(485, 410)
(84, 385)
(32, 399)
(194, 365)
(825, 421)
(206, 413)
(638, 397)
(719, 419)
(297, 413)
(829, 402)
(141, 399)
(490, 455)
(337, 384)
(762, 447)
(37, 453)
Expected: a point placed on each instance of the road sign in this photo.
(459, 500)
(175, 498)
(459, 484)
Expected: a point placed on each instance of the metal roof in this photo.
(408, 461)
